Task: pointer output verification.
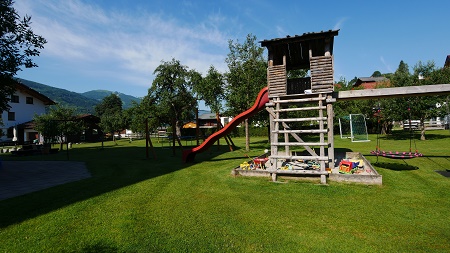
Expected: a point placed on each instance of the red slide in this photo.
(261, 100)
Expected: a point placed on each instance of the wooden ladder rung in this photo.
(302, 109)
(300, 119)
(299, 157)
(299, 100)
(302, 131)
(300, 144)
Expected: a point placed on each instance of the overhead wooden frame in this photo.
(395, 92)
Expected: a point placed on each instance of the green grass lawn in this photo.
(133, 204)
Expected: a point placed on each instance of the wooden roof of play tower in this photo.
(297, 48)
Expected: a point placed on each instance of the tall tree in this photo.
(211, 90)
(18, 44)
(246, 76)
(112, 123)
(171, 91)
(111, 115)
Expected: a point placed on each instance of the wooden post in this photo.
(274, 148)
(286, 139)
(323, 179)
(330, 117)
(218, 128)
(197, 127)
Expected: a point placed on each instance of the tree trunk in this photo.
(218, 127)
(247, 136)
(384, 127)
(174, 135)
(178, 127)
(422, 130)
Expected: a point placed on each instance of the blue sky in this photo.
(117, 44)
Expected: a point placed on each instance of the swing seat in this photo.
(396, 154)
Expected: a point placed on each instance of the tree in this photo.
(376, 74)
(58, 124)
(112, 123)
(426, 108)
(171, 92)
(246, 77)
(111, 116)
(139, 113)
(109, 105)
(18, 44)
(417, 108)
(211, 90)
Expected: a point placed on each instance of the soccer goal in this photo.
(353, 127)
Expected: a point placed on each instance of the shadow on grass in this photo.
(395, 166)
(99, 247)
(415, 135)
(111, 168)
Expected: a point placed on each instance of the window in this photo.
(14, 99)
(11, 116)
(30, 100)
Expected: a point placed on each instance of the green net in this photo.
(358, 128)
(353, 127)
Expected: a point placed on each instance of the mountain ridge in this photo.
(81, 102)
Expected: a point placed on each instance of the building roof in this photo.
(27, 125)
(22, 87)
(371, 79)
(447, 61)
(296, 48)
(370, 82)
(90, 117)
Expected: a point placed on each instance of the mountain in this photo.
(83, 103)
(100, 94)
(64, 97)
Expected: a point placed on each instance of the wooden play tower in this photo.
(291, 99)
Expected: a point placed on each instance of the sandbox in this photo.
(353, 168)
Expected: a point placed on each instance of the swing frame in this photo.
(395, 154)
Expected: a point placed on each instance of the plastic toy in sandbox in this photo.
(354, 167)
(258, 163)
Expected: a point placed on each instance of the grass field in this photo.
(133, 204)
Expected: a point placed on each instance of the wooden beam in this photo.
(407, 91)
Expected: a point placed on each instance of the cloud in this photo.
(131, 44)
(387, 66)
(340, 23)
(281, 32)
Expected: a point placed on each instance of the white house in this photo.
(25, 103)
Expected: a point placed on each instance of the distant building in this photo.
(92, 131)
(447, 61)
(25, 103)
(372, 82)
(208, 120)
